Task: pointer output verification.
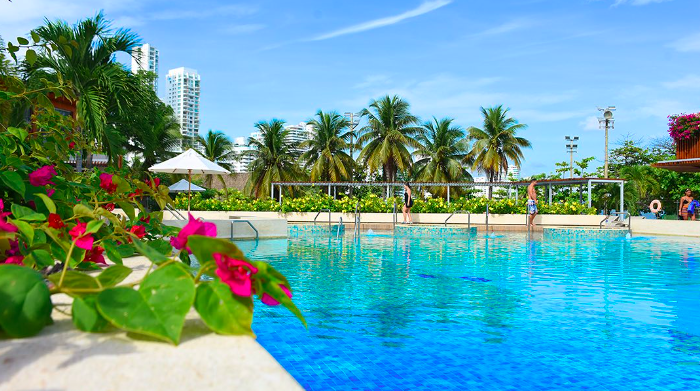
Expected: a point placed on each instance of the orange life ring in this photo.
(653, 208)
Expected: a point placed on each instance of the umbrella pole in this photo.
(189, 189)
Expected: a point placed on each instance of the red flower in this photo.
(155, 184)
(42, 176)
(80, 238)
(95, 255)
(110, 207)
(146, 219)
(236, 274)
(107, 183)
(138, 230)
(71, 145)
(55, 221)
(137, 193)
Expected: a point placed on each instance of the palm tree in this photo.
(84, 55)
(219, 149)
(325, 152)
(388, 136)
(496, 145)
(443, 148)
(274, 159)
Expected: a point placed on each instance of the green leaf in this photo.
(76, 283)
(112, 252)
(273, 289)
(113, 275)
(25, 301)
(123, 185)
(13, 181)
(50, 206)
(30, 56)
(157, 309)
(22, 41)
(35, 36)
(203, 247)
(93, 226)
(162, 246)
(25, 229)
(34, 217)
(43, 258)
(44, 102)
(149, 252)
(128, 209)
(67, 50)
(222, 311)
(185, 258)
(85, 315)
(19, 211)
(80, 210)
(18, 132)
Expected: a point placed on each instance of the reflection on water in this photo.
(486, 313)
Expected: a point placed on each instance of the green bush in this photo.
(372, 203)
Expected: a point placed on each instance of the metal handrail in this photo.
(469, 217)
(257, 234)
(395, 216)
(340, 225)
(176, 213)
(358, 219)
(321, 211)
(617, 218)
(487, 219)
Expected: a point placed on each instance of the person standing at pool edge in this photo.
(532, 202)
(407, 203)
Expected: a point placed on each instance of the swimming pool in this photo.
(503, 313)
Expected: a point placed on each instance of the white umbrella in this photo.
(183, 185)
(189, 162)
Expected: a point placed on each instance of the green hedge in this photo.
(236, 201)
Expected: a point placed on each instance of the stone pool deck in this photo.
(63, 358)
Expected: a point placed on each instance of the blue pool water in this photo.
(508, 313)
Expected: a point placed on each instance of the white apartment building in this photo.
(183, 95)
(514, 171)
(240, 145)
(145, 58)
(299, 133)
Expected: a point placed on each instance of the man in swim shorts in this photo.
(532, 202)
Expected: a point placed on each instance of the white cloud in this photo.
(687, 82)
(690, 43)
(590, 123)
(638, 2)
(242, 29)
(504, 28)
(424, 8)
(201, 13)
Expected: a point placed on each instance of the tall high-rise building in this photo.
(145, 58)
(299, 133)
(240, 146)
(514, 172)
(183, 96)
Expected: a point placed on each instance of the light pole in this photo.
(608, 122)
(354, 119)
(571, 147)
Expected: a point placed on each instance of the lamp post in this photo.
(354, 119)
(608, 122)
(571, 147)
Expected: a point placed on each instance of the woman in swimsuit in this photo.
(683, 206)
(407, 204)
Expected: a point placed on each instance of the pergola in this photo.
(580, 182)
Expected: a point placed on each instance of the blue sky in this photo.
(551, 61)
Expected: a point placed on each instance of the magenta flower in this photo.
(49, 192)
(95, 255)
(42, 176)
(15, 260)
(13, 255)
(107, 184)
(193, 227)
(4, 225)
(80, 238)
(236, 274)
(267, 299)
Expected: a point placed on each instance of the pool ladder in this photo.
(469, 217)
(358, 218)
(257, 234)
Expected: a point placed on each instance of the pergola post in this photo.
(516, 192)
(387, 191)
(622, 196)
(448, 194)
(280, 188)
(329, 190)
(272, 190)
(589, 194)
(550, 193)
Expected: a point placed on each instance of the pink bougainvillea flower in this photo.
(4, 225)
(55, 221)
(138, 230)
(42, 176)
(146, 219)
(110, 207)
(71, 145)
(236, 274)
(107, 183)
(49, 192)
(95, 255)
(137, 193)
(267, 299)
(80, 238)
(193, 227)
(15, 260)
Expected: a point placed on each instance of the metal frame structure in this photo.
(588, 182)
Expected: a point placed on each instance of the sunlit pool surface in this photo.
(504, 313)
